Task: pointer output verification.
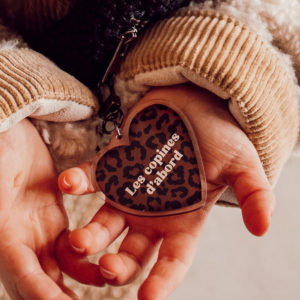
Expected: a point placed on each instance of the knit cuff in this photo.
(32, 85)
(222, 55)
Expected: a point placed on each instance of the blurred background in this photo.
(232, 264)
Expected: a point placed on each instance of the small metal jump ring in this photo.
(114, 118)
(119, 133)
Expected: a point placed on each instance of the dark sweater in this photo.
(83, 42)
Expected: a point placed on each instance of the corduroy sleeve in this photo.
(31, 85)
(219, 53)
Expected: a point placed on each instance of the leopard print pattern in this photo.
(158, 171)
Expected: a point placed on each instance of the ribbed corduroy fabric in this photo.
(26, 77)
(211, 47)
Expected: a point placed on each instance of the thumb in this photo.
(77, 181)
(254, 194)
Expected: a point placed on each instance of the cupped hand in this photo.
(31, 217)
(229, 159)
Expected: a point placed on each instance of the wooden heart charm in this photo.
(155, 168)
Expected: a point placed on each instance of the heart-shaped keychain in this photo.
(155, 167)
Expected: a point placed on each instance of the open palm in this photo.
(31, 217)
(229, 159)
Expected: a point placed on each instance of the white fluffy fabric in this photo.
(9, 45)
(50, 110)
(72, 143)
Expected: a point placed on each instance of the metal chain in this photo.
(111, 111)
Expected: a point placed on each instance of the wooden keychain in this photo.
(152, 165)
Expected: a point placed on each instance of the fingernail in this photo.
(107, 274)
(66, 184)
(78, 250)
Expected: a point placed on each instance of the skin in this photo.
(229, 160)
(31, 217)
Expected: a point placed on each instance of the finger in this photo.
(30, 280)
(51, 268)
(76, 265)
(256, 200)
(103, 229)
(135, 251)
(175, 257)
(255, 196)
(77, 181)
(10, 288)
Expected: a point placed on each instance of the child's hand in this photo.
(229, 160)
(31, 217)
